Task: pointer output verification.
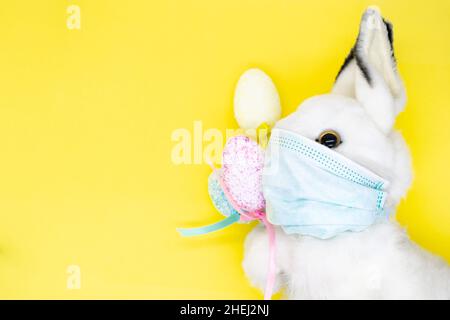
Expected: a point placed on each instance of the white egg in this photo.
(256, 100)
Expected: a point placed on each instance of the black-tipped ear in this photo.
(390, 34)
(369, 73)
(347, 61)
(345, 80)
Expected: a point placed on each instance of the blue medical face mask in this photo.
(315, 191)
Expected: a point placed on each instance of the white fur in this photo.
(380, 262)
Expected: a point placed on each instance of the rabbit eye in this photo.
(329, 138)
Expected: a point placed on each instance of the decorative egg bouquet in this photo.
(236, 188)
(236, 192)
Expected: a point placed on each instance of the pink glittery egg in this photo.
(243, 162)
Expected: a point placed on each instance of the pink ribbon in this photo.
(261, 216)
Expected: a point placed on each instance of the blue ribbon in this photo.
(189, 232)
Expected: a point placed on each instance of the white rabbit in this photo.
(380, 262)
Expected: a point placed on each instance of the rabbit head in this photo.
(356, 119)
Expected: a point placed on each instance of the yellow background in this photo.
(86, 118)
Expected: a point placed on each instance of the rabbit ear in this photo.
(369, 73)
(345, 80)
